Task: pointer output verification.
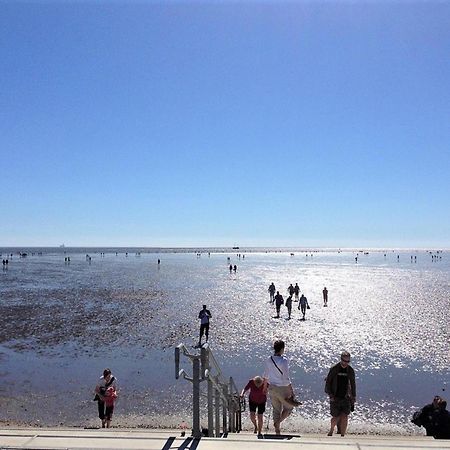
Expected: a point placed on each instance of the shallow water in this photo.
(61, 324)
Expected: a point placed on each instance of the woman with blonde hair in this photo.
(257, 401)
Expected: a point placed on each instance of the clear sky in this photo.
(225, 123)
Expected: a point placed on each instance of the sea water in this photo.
(62, 323)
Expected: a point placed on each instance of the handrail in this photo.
(218, 386)
(221, 394)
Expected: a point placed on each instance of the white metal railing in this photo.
(222, 396)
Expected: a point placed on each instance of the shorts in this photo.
(340, 406)
(261, 407)
(105, 413)
(204, 328)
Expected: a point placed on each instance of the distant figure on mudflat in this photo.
(289, 306)
(278, 302)
(271, 291)
(296, 291)
(204, 315)
(291, 290)
(303, 305)
(231, 268)
(325, 296)
(235, 268)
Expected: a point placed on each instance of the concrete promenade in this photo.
(48, 438)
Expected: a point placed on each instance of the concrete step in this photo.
(113, 438)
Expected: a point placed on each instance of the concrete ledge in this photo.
(48, 438)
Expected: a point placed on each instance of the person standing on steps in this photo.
(276, 375)
(257, 402)
(340, 386)
(106, 387)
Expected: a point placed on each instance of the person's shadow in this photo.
(286, 437)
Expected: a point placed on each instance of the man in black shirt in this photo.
(427, 413)
(278, 302)
(272, 290)
(204, 315)
(341, 388)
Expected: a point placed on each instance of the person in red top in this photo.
(257, 401)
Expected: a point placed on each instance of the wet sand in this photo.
(61, 325)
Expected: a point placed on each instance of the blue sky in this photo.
(224, 123)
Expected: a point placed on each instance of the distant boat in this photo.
(235, 248)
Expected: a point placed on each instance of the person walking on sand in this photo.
(276, 375)
(340, 386)
(303, 305)
(271, 291)
(204, 315)
(289, 306)
(296, 291)
(105, 395)
(325, 296)
(278, 302)
(257, 402)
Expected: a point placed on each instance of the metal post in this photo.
(238, 417)
(177, 362)
(225, 410)
(231, 407)
(196, 432)
(206, 369)
(217, 410)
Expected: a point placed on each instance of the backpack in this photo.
(417, 418)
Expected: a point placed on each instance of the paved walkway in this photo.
(46, 438)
